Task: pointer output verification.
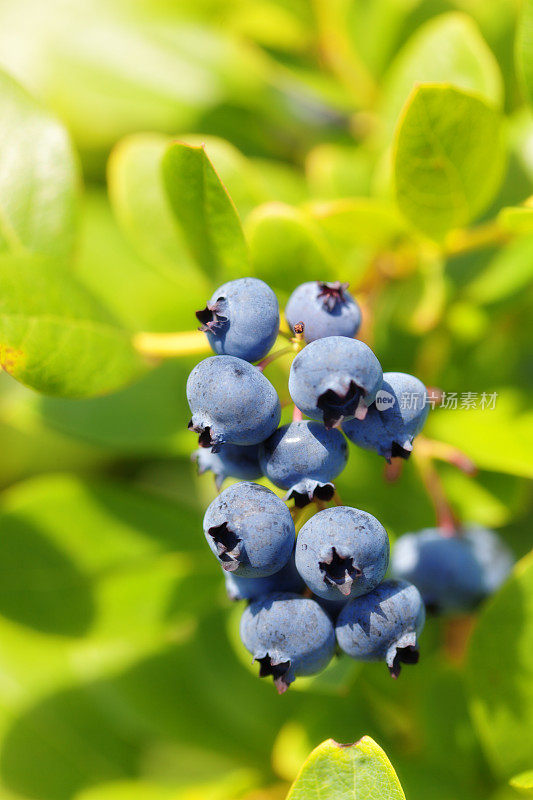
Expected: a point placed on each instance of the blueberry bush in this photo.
(270, 221)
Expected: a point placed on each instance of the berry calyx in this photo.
(332, 294)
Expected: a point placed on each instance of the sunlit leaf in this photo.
(499, 674)
(448, 158)
(54, 337)
(39, 181)
(448, 48)
(523, 782)
(359, 771)
(205, 212)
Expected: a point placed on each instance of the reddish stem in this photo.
(444, 514)
(393, 470)
(273, 356)
(297, 415)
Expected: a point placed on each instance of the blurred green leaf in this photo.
(204, 210)
(523, 782)
(517, 219)
(497, 439)
(109, 69)
(499, 674)
(148, 418)
(54, 337)
(360, 771)
(448, 49)
(282, 237)
(509, 271)
(141, 295)
(39, 181)
(448, 158)
(524, 48)
(339, 171)
(141, 205)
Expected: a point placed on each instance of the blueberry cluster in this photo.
(325, 588)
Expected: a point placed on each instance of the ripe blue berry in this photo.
(230, 461)
(231, 401)
(289, 636)
(383, 625)
(393, 421)
(452, 573)
(334, 379)
(241, 319)
(342, 551)
(286, 580)
(304, 457)
(250, 530)
(326, 309)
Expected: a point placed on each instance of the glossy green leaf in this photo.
(141, 206)
(523, 782)
(486, 434)
(38, 177)
(517, 219)
(54, 337)
(280, 237)
(204, 211)
(499, 674)
(508, 272)
(450, 49)
(448, 158)
(524, 48)
(141, 294)
(359, 771)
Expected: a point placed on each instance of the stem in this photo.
(171, 345)
(273, 356)
(337, 499)
(489, 234)
(297, 415)
(432, 448)
(393, 470)
(444, 514)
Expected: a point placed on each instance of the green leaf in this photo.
(39, 180)
(359, 771)
(523, 782)
(140, 294)
(281, 237)
(508, 272)
(54, 337)
(141, 206)
(448, 48)
(499, 674)
(205, 212)
(448, 158)
(524, 48)
(498, 439)
(517, 219)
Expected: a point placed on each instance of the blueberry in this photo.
(289, 636)
(231, 401)
(332, 607)
(393, 421)
(342, 551)
(250, 530)
(304, 457)
(241, 319)
(452, 573)
(230, 461)
(286, 580)
(326, 309)
(335, 378)
(383, 625)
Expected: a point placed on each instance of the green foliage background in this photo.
(388, 143)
